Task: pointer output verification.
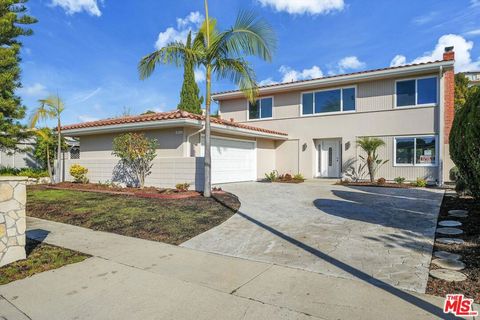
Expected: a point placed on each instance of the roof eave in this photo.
(339, 79)
(163, 124)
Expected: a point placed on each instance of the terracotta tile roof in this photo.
(334, 76)
(177, 114)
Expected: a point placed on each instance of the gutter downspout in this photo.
(187, 152)
(441, 130)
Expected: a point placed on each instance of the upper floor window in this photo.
(416, 92)
(336, 100)
(261, 109)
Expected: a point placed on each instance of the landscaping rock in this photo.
(458, 213)
(449, 223)
(449, 231)
(449, 264)
(446, 255)
(448, 275)
(450, 240)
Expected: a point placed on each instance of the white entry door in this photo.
(233, 160)
(329, 158)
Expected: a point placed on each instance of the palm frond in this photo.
(173, 53)
(239, 72)
(251, 36)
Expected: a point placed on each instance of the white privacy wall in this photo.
(166, 172)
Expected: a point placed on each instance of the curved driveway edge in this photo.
(375, 234)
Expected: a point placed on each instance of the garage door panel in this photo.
(233, 160)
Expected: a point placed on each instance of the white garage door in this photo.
(233, 160)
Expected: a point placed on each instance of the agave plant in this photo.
(221, 54)
(372, 161)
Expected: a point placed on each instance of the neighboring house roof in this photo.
(159, 118)
(339, 77)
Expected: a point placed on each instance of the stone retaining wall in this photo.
(13, 197)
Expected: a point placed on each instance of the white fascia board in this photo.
(310, 84)
(150, 125)
(146, 125)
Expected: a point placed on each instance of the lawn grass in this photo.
(40, 257)
(165, 220)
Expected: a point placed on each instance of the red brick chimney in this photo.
(449, 54)
(449, 94)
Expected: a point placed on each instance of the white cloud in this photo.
(82, 97)
(199, 75)
(36, 90)
(267, 82)
(289, 74)
(86, 118)
(305, 6)
(462, 48)
(350, 63)
(184, 25)
(398, 60)
(195, 18)
(76, 6)
(475, 32)
(424, 19)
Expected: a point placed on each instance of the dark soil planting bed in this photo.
(147, 192)
(470, 250)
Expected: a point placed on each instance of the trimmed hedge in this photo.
(465, 142)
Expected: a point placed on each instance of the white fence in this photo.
(166, 172)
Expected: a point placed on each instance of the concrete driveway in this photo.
(374, 234)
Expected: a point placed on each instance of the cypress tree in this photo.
(12, 22)
(189, 96)
(465, 142)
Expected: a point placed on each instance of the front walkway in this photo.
(370, 233)
(130, 278)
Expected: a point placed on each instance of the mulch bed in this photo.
(370, 184)
(147, 192)
(470, 250)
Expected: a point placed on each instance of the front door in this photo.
(329, 158)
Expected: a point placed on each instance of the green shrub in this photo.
(298, 176)
(24, 172)
(182, 186)
(79, 173)
(421, 183)
(399, 180)
(465, 142)
(272, 176)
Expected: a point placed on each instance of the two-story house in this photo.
(309, 127)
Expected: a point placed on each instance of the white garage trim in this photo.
(246, 176)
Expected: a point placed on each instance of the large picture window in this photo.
(416, 92)
(416, 151)
(261, 109)
(325, 101)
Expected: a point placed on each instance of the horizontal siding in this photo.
(166, 172)
(375, 95)
(390, 172)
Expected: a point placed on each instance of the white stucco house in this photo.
(309, 127)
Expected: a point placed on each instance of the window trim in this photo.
(415, 164)
(416, 105)
(328, 113)
(258, 99)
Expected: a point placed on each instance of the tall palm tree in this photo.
(370, 146)
(51, 108)
(221, 54)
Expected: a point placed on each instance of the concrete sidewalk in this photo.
(138, 279)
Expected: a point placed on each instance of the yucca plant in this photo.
(372, 161)
(222, 54)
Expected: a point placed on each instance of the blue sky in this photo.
(88, 50)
